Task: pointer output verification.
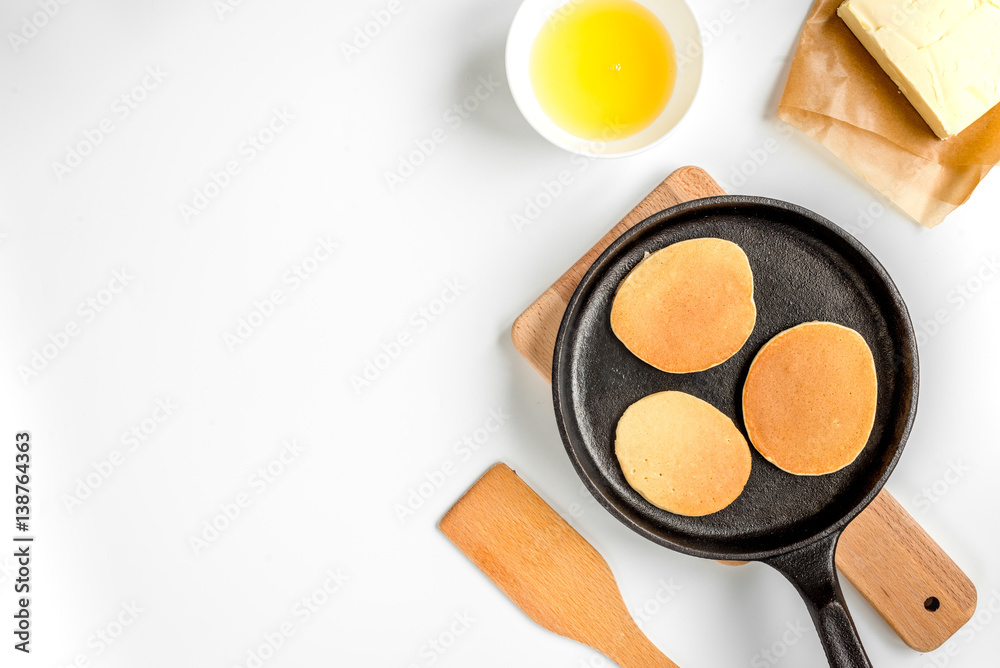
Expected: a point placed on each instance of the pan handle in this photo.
(813, 572)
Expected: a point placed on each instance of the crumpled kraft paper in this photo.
(839, 95)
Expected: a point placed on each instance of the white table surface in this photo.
(169, 288)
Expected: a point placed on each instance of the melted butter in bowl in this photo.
(603, 68)
(604, 78)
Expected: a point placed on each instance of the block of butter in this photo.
(943, 54)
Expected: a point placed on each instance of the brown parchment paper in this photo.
(839, 95)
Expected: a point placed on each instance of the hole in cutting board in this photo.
(932, 604)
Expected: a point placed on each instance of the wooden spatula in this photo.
(546, 567)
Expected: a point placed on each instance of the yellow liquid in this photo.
(603, 70)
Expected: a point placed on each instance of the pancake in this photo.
(682, 454)
(809, 398)
(686, 307)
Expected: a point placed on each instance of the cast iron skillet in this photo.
(805, 268)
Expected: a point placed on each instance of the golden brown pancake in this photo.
(686, 307)
(681, 454)
(809, 398)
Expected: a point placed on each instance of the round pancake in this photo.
(682, 454)
(686, 307)
(809, 398)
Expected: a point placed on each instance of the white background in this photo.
(333, 506)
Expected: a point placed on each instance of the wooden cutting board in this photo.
(899, 569)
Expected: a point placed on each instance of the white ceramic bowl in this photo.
(683, 28)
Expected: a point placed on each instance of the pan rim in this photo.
(562, 407)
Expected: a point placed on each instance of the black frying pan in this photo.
(805, 268)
